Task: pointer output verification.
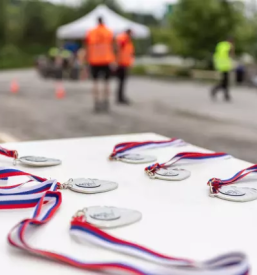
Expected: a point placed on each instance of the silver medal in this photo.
(174, 174)
(111, 217)
(137, 158)
(236, 194)
(39, 161)
(90, 186)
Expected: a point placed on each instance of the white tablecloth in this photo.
(179, 218)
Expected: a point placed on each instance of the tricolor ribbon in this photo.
(47, 200)
(8, 153)
(17, 196)
(229, 264)
(186, 158)
(215, 184)
(129, 147)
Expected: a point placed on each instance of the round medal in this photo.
(174, 174)
(91, 186)
(236, 194)
(137, 158)
(111, 217)
(39, 161)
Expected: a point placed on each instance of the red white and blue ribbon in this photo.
(22, 196)
(8, 153)
(129, 147)
(215, 183)
(47, 200)
(229, 264)
(187, 158)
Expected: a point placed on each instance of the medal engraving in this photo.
(106, 214)
(87, 183)
(92, 186)
(36, 159)
(231, 191)
(111, 217)
(168, 173)
(236, 194)
(133, 156)
(39, 161)
(137, 158)
(172, 174)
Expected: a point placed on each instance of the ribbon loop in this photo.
(123, 148)
(215, 184)
(187, 157)
(8, 153)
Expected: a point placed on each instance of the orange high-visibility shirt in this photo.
(100, 46)
(125, 50)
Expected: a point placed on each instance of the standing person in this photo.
(224, 64)
(100, 55)
(125, 58)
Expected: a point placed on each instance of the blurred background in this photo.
(169, 84)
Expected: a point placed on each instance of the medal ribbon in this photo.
(47, 201)
(230, 264)
(123, 148)
(8, 153)
(215, 183)
(186, 158)
(16, 196)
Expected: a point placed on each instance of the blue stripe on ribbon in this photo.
(19, 202)
(38, 190)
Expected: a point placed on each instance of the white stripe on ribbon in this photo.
(175, 143)
(214, 267)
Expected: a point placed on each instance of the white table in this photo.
(179, 218)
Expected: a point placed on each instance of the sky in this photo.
(156, 7)
(152, 6)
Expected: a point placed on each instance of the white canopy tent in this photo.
(115, 22)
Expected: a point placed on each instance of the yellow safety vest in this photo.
(53, 52)
(222, 59)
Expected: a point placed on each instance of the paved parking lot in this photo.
(171, 108)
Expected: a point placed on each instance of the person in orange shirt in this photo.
(100, 55)
(125, 58)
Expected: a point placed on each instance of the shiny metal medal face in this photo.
(137, 158)
(39, 161)
(175, 174)
(111, 217)
(91, 186)
(236, 194)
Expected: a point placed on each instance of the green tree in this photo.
(2, 21)
(143, 18)
(202, 25)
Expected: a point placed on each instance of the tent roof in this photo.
(115, 22)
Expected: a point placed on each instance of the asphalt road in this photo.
(174, 109)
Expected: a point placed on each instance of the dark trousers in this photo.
(223, 86)
(122, 74)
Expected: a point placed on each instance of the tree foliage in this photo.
(2, 21)
(201, 25)
(28, 27)
(34, 22)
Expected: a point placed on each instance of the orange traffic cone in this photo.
(59, 91)
(14, 87)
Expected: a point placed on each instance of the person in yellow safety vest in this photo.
(125, 59)
(53, 53)
(59, 53)
(223, 63)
